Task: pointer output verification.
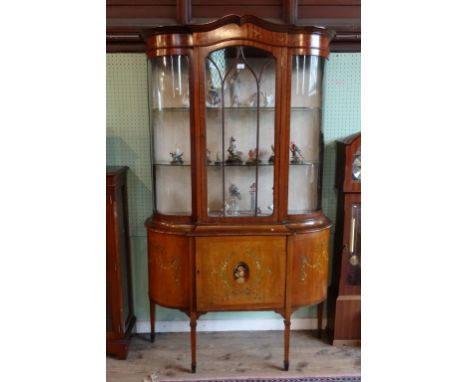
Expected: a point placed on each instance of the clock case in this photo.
(344, 296)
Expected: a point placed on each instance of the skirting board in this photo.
(229, 325)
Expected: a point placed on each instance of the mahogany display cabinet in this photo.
(237, 149)
(344, 305)
(120, 318)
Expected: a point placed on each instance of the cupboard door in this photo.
(238, 273)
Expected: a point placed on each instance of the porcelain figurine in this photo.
(253, 157)
(268, 100)
(218, 159)
(234, 156)
(232, 204)
(272, 156)
(177, 156)
(208, 159)
(297, 157)
(213, 97)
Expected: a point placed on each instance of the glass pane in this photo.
(305, 134)
(240, 122)
(170, 112)
(354, 268)
(356, 168)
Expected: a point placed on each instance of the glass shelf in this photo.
(172, 164)
(239, 108)
(305, 163)
(234, 165)
(246, 213)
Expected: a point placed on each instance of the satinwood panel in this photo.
(309, 268)
(168, 267)
(240, 272)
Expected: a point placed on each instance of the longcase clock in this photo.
(344, 303)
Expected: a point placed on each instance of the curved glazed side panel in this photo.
(309, 279)
(168, 268)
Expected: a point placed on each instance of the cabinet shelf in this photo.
(306, 163)
(163, 163)
(241, 214)
(229, 109)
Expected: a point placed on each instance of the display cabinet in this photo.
(120, 318)
(344, 305)
(237, 152)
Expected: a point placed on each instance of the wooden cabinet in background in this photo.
(237, 151)
(344, 301)
(119, 305)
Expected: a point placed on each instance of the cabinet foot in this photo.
(286, 365)
(194, 367)
(152, 319)
(320, 319)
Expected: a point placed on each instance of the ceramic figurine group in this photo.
(235, 156)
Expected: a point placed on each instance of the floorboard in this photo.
(222, 354)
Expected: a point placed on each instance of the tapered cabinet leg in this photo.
(152, 319)
(287, 331)
(320, 318)
(193, 341)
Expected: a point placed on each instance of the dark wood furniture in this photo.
(216, 241)
(344, 304)
(125, 18)
(119, 305)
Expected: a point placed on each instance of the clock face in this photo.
(356, 170)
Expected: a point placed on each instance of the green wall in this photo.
(128, 144)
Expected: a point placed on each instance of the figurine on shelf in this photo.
(208, 159)
(213, 98)
(253, 157)
(234, 84)
(272, 156)
(268, 100)
(234, 156)
(177, 156)
(253, 100)
(218, 159)
(232, 204)
(297, 157)
(186, 99)
(252, 191)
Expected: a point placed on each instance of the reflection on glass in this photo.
(240, 123)
(356, 170)
(305, 134)
(354, 268)
(170, 120)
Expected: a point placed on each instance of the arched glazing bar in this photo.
(237, 98)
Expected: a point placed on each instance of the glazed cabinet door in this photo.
(170, 113)
(305, 135)
(240, 118)
(240, 272)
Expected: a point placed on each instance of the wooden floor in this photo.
(223, 354)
